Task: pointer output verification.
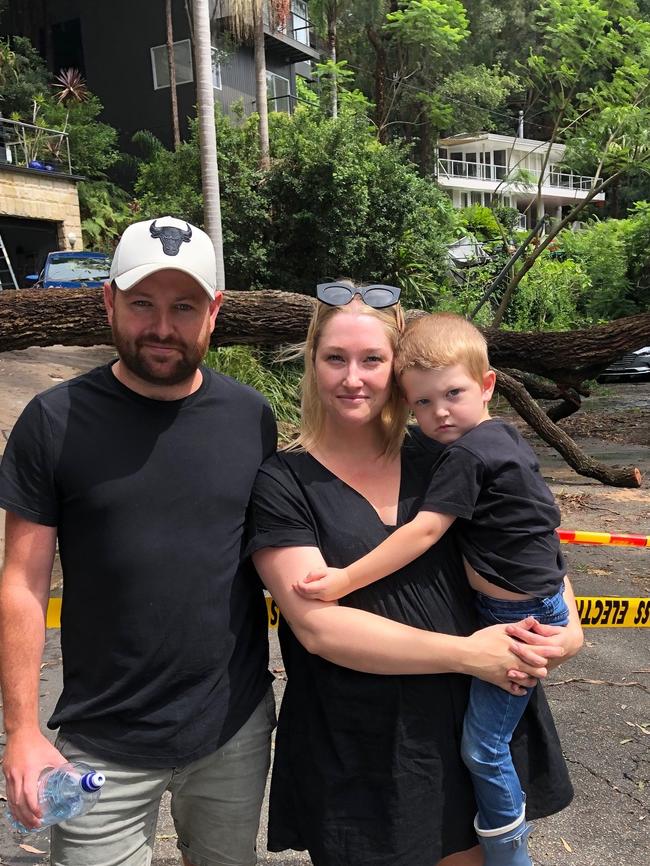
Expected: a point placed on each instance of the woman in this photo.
(367, 768)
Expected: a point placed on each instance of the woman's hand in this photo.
(496, 657)
(568, 638)
(531, 633)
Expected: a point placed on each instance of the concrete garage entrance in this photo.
(27, 243)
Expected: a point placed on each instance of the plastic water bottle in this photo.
(63, 793)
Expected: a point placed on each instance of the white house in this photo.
(474, 169)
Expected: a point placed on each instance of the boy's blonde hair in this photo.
(312, 422)
(442, 340)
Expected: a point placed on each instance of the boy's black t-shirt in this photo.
(507, 517)
(165, 653)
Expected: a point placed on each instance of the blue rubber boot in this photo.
(506, 846)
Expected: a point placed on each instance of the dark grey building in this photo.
(120, 47)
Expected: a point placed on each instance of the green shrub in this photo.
(480, 221)
(278, 381)
(601, 252)
(549, 296)
(335, 202)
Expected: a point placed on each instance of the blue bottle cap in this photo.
(91, 782)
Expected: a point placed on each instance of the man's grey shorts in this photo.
(215, 805)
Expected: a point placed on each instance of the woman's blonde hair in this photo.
(442, 340)
(394, 414)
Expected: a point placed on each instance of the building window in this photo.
(500, 164)
(300, 21)
(277, 89)
(457, 164)
(182, 62)
(216, 69)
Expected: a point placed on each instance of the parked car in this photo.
(72, 270)
(633, 367)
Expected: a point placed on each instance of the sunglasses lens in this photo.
(379, 297)
(335, 295)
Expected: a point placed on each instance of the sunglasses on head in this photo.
(340, 294)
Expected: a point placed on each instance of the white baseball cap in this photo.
(160, 244)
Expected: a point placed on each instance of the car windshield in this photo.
(69, 270)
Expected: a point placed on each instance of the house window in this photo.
(457, 164)
(216, 69)
(499, 164)
(300, 21)
(470, 159)
(477, 198)
(182, 62)
(277, 89)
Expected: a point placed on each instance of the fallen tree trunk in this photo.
(77, 318)
(569, 357)
(33, 317)
(516, 394)
(49, 317)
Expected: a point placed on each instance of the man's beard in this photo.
(188, 359)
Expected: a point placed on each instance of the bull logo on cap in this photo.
(170, 237)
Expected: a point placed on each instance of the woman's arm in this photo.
(366, 642)
(401, 547)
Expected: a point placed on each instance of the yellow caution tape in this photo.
(595, 612)
(53, 619)
(273, 611)
(614, 612)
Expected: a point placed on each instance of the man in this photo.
(142, 470)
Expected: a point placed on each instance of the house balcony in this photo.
(289, 44)
(24, 146)
(557, 187)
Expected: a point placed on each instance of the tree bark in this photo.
(35, 317)
(171, 63)
(569, 357)
(524, 405)
(331, 53)
(207, 132)
(45, 317)
(380, 82)
(261, 86)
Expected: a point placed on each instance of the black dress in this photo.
(367, 768)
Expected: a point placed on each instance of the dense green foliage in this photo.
(335, 202)
(354, 195)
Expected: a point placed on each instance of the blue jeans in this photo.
(493, 714)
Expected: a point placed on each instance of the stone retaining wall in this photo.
(33, 194)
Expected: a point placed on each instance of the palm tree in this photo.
(247, 22)
(172, 73)
(207, 131)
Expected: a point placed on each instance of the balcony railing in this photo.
(27, 146)
(452, 168)
(296, 27)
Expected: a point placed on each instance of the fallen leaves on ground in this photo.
(30, 849)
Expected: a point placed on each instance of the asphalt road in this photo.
(601, 700)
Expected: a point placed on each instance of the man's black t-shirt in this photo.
(163, 633)
(490, 480)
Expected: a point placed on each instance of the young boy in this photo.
(487, 479)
